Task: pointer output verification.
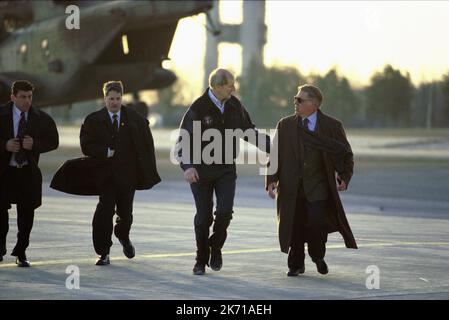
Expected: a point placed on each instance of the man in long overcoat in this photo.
(120, 141)
(25, 133)
(311, 160)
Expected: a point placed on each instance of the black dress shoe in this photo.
(216, 260)
(103, 260)
(295, 272)
(22, 262)
(199, 269)
(321, 267)
(128, 248)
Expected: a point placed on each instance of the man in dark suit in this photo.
(25, 133)
(216, 110)
(122, 138)
(311, 148)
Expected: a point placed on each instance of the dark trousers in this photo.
(16, 189)
(115, 193)
(309, 226)
(223, 183)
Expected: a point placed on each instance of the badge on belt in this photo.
(207, 121)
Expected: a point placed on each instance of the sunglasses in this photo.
(300, 100)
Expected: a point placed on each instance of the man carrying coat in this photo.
(25, 133)
(121, 139)
(313, 162)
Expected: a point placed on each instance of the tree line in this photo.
(389, 100)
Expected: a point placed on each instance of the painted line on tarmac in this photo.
(225, 252)
(137, 225)
(89, 222)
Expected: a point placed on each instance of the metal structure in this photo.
(250, 34)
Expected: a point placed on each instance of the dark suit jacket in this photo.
(288, 152)
(42, 128)
(80, 176)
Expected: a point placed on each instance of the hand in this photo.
(272, 190)
(13, 145)
(341, 184)
(27, 142)
(110, 153)
(191, 175)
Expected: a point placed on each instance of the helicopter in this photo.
(68, 49)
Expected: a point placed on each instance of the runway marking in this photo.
(225, 252)
(89, 222)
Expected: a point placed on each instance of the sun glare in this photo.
(358, 38)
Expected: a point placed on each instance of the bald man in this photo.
(219, 110)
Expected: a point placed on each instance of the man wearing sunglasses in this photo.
(314, 162)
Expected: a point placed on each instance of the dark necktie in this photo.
(305, 123)
(114, 131)
(21, 156)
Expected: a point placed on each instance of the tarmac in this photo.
(398, 211)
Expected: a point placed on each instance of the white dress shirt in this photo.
(312, 121)
(217, 102)
(118, 116)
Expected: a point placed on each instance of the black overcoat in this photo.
(288, 153)
(42, 128)
(78, 176)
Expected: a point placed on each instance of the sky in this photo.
(358, 38)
